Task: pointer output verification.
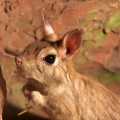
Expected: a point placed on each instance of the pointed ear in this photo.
(47, 27)
(71, 42)
(48, 30)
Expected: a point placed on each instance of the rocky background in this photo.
(98, 57)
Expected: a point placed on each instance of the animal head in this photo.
(46, 60)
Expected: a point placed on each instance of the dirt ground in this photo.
(98, 57)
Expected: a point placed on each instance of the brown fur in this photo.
(67, 95)
(60, 91)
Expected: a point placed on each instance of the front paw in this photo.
(36, 97)
(27, 89)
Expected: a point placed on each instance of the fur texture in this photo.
(56, 88)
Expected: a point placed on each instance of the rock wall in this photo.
(20, 23)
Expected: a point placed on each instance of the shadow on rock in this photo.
(3, 92)
(10, 113)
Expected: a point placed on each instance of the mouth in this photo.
(20, 71)
(22, 74)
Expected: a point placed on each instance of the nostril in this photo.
(18, 60)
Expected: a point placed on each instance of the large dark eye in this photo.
(50, 59)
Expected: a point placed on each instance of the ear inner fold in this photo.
(72, 41)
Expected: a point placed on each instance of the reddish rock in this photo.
(71, 17)
(20, 24)
(105, 51)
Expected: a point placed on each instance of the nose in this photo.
(18, 60)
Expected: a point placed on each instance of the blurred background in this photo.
(98, 57)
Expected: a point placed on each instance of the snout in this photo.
(19, 63)
(18, 60)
